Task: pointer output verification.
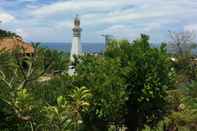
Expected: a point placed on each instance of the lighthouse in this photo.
(76, 45)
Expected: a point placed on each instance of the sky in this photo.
(52, 20)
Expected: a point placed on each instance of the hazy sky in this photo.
(52, 20)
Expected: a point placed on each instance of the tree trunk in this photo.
(132, 120)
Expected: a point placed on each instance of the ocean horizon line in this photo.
(67, 42)
(66, 47)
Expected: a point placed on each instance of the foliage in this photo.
(128, 84)
(4, 33)
(22, 72)
(103, 77)
(58, 60)
(49, 90)
(148, 75)
(182, 45)
(182, 110)
(126, 87)
(66, 114)
(57, 116)
(79, 103)
(26, 108)
(183, 105)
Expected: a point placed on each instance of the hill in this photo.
(11, 41)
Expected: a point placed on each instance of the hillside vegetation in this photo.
(4, 33)
(131, 86)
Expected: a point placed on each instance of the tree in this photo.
(102, 76)
(148, 75)
(182, 45)
(182, 42)
(19, 75)
(128, 83)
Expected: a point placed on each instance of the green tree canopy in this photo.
(128, 83)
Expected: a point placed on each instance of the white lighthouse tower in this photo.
(76, 46)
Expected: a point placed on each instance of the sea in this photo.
(88, 47)
(66, 47)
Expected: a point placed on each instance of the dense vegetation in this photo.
(4, 33)
(131, 86)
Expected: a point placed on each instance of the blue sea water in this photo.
(66, 47)
(86, 47)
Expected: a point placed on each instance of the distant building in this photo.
(108, 39)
